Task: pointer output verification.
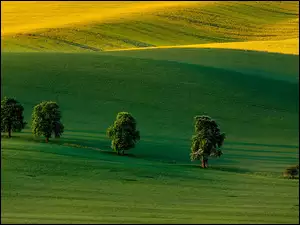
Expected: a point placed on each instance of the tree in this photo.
(46, 120)
(207, 140)
(12, 119)
(123, 133)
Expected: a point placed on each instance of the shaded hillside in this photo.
(92, 88)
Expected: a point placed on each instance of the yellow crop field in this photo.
(19, 16)
(289, 46)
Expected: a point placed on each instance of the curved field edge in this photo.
(290, 46)
(196, 24)
(270, 65)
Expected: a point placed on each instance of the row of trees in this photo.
(46, 121)
(45, 118)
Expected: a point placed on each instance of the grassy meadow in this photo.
(164, 62)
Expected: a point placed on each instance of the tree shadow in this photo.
(230, 169)
(219, 168)
(5, 136)
(262, 145)
(102, 146)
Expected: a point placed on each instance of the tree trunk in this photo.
(9, 130)
(206, 163)
(47, 139)
(203, 163)
(122, 152)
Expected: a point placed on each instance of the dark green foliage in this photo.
(12, 119)
(46, 120)
(207, 140)
(291, 172)
(123, 132)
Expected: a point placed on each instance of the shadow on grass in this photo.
(3, 136)
(230, 169)
(262, 145)
(219, 168)
(103, 147)
(71, 142)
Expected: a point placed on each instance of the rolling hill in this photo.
(270, 65)
(165, 63)
(259, 108)
(143, 24)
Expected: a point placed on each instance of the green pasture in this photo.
(78, 179)
(58, 183)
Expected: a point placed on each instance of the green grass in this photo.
(75, 179)
(270, 65)
(59, 184)
(164, 103)
(194, 24)
(78, 179)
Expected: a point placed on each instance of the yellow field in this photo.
(17, 16)
(289, 46)
(77, 25)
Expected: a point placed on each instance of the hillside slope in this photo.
(250, 105)
(75, 179)
(287, 46)
(271, 65)
(191, 23)
(73, 53)
(23, 17)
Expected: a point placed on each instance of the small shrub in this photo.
(291, 172)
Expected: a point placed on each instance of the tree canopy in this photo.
(123, 132)
(46, 120)
(207, 140)
(12, 119)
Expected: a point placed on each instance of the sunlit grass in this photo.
(19, 17)
(290, 46)
(95, 26)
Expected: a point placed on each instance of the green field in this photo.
(50, 183)
(253, 95)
